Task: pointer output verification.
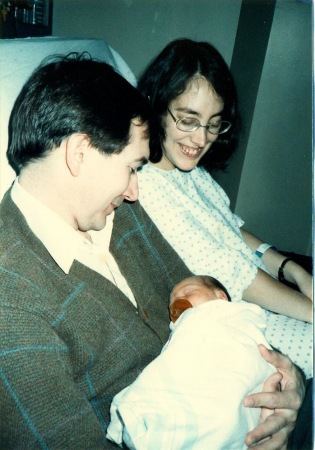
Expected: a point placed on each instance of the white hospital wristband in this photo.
(262, 249)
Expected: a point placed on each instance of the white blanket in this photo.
(190, 397)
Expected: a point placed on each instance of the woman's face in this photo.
(184, 149)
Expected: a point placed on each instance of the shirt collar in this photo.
(60, 239)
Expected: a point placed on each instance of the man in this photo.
(83, 290)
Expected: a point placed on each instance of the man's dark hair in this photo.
(72, 94)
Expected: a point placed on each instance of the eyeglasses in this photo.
(192, 124)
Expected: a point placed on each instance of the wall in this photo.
(274, 195)
(139, 29)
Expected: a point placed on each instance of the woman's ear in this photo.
(77, 146)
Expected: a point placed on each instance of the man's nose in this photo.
(132, 191)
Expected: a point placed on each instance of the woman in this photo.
(192, 92)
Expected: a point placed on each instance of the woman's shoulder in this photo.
(151, 174)
(150, 171)
(207, 179)
(202, 173)
(202, 178)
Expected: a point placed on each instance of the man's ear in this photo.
(76, 147)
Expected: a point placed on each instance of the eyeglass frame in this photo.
(198, 126)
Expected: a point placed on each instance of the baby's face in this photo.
(196, 292)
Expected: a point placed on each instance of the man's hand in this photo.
(285, 403)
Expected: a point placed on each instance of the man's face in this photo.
(107, 180)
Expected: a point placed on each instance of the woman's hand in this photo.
(275, 429)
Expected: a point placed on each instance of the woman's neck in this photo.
(165, 164)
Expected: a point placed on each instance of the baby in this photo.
(190, 396)
(194, 291)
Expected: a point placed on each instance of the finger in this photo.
(272, 425)
(293, 377)
(278, 360)
(270, 385)
(277, 442)
(264, 413)
(275, 428)
(288, 400)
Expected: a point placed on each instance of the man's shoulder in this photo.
(132, 223)
(130, 216)
(18, 244)
(9, 219)
(12, 222)
(26, 280)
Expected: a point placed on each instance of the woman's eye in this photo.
(188, 121)
(215, 124)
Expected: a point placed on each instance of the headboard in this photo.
(18, 59)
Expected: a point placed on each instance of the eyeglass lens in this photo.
(192, 124)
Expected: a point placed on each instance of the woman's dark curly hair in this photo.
(169, 75)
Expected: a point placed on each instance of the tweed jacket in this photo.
(69, 343)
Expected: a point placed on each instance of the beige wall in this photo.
(274, 196)
(138, 29)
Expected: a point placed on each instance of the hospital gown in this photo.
(193, 213)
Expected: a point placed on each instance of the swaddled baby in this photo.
(190, 396)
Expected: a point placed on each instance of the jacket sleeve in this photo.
(42, 406)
